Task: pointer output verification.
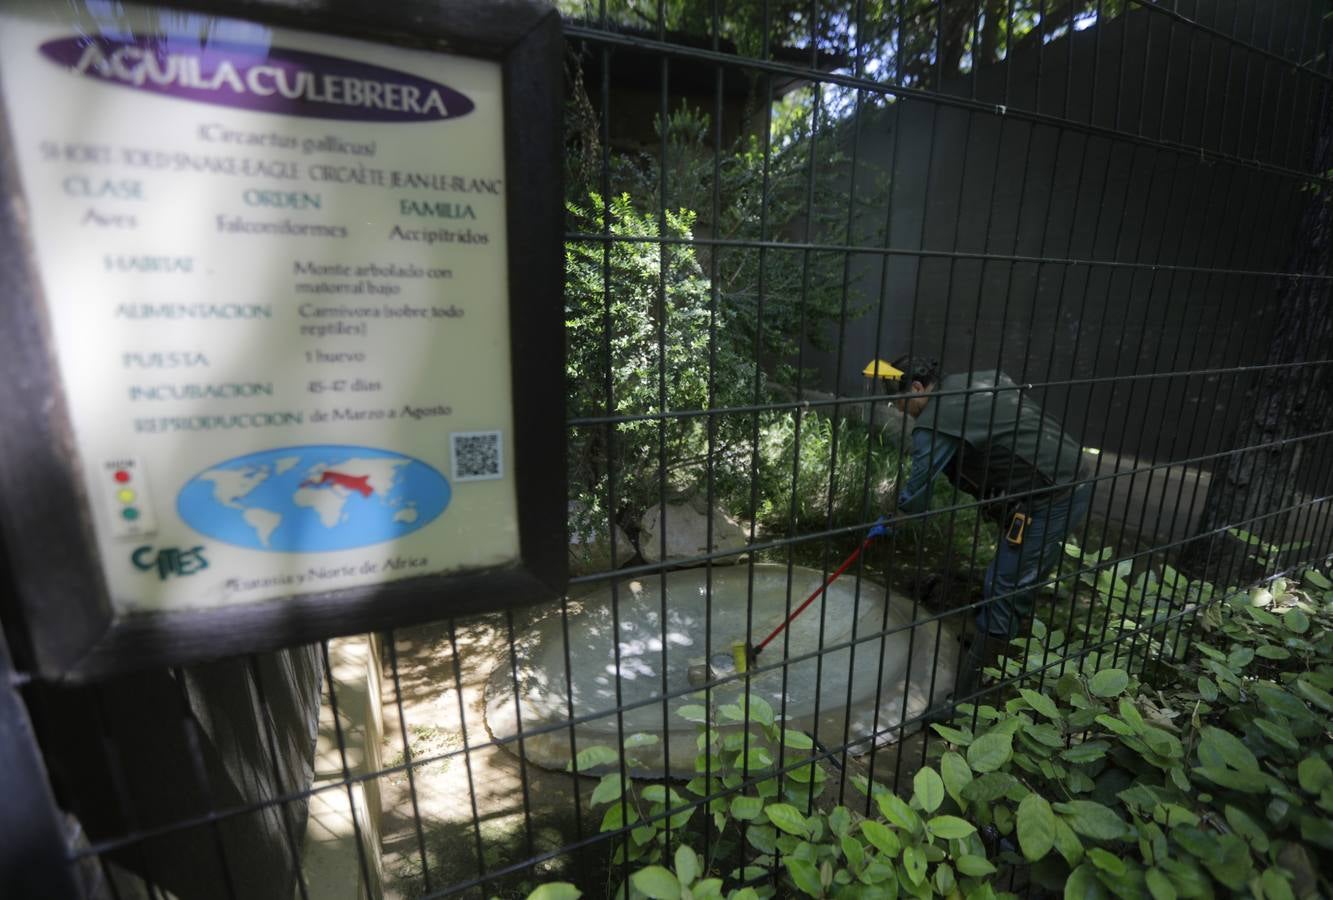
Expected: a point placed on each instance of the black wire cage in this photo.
(778, 216)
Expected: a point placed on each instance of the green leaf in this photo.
(1086, 752)
(1067, 843)
(1247, 828)
(1315, 577)
(914, 863)
(898, 812)
(1207, 688)
(1317, 830)
(797, 740)
(1159, 885)
(1272, 651)
(608, 789)
(804, 875)
(1314, 774)
(593, 757)
(1231, 863)
(556, 890)
(1278, 734)
(1222, 747)
(990, 786)
(788, 818)
(957, 775)
(1275, 885)
(1106, 861)
(1276, 700)
(731, 711)
(1045, 733)
(746, 808)
(974, 866)
(656, 882)
(707, 889)
(761, 711)
(852, 849)
(953, 735)
(687, 865)
(693, 713)
(1108, 682)
(640, 740)
(1091, 819)
(950, 827)
(990, 751)
(1114, 725)
(1041, 703)
(1246, 782)
(1036, 827)
(1319, 698)
(1296, 621)
(928, 789)
(1083, 885)
(882, 837)
(839, 820)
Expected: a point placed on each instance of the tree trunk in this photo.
(989, 50)
(1290, 402)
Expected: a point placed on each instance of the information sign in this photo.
(274, 272)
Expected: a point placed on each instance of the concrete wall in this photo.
(989, 183)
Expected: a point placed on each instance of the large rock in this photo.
(590, 545)
(687, 533)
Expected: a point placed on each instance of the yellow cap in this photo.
(879, 368)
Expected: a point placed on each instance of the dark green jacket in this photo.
(1009, 444)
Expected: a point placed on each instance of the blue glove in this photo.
(879, 529)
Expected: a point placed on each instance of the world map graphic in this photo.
(313, 499)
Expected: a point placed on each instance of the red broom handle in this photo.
(811, 599)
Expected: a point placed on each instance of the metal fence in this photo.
(1121, 205)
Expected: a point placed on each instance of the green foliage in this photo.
(648, 323)
(1099, 781)
(831, 481)
(1163, 788)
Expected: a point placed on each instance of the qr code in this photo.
(478, 455)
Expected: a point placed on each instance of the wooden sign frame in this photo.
(67, 625)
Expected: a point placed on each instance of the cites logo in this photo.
(169, 560)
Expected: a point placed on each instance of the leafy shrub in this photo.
(648, 324)
(1208, 775)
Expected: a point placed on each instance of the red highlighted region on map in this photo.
(358, 483)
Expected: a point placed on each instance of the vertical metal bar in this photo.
(391, 641)
(911, 349)
(883, 290)
(518, 727)
(662, 406)
(342, 757)
(569, 711)
(271, 742)
(710, 487)
(120, 788)
(190, 728)
(467, 746)
(34, 862)
(611, 400)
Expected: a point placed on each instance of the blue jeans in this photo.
(1008, 595)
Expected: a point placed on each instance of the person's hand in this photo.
(879, 529)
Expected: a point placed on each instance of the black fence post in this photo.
(33, 861)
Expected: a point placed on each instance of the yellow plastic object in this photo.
(740, 655)
(878, 368)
